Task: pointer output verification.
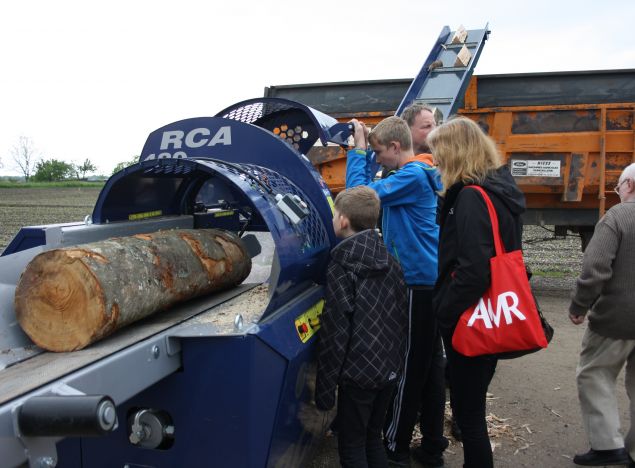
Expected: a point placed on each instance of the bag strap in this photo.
(498, 243)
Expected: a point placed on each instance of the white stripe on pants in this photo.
(391, 432)
(601, 361)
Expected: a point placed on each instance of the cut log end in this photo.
(58, 302)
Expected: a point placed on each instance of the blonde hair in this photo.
(463, 152)
(391, 129)
(360, 205)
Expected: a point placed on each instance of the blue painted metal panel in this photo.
(298, 421)
(26, 238)
(222, 404)
(69, 453)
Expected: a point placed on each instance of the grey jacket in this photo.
(606, 285)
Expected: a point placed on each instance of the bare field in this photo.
(555, 262)
(35, 206)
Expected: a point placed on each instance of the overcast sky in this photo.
(88, 79)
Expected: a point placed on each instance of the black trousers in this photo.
(469, 379)
(360, 415)
(421, 388)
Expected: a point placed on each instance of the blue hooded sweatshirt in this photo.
(409, 203)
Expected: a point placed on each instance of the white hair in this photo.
(628, 172)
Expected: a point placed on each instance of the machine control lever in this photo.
(68, 415)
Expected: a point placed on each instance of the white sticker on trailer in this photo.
(530, 168)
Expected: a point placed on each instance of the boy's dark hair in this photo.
(360, 205)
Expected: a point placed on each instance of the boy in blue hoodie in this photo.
(364, 328)
(409, 203)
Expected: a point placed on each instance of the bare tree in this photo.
(24, 156)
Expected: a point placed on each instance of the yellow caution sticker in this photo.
(221, 214)
(147, 214)
(331, 204)
(308, 323)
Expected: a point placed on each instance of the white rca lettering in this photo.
(487, 315)
(195, 138)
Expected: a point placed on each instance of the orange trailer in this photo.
(566, 136)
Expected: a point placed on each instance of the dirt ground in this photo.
(21, 207)
(534, 415)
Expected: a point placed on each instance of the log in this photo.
(68, 298)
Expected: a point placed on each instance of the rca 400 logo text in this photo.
(195, 138)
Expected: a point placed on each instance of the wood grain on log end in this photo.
(67, 299)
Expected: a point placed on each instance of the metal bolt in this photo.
(136, 437)
(156, 352)
(168, 431)
(108, 415)
(47, 462)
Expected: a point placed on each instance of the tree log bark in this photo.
(71, 297)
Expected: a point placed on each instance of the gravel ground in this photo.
(555, 262)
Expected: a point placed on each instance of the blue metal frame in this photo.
(475, 43)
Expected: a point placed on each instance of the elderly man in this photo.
(605, 287)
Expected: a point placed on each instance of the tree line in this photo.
(36, 169)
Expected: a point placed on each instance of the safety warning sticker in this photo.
(527, 168)
(308, 323)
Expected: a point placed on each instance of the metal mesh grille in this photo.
(168, 169)
(311, 229)
(269, 183)
(252, 112)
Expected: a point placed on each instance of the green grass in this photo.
(64, 184)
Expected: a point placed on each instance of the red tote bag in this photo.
(506, 318)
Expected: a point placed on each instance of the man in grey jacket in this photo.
(606, 287)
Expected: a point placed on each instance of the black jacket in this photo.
(466, 243)
(362, 340)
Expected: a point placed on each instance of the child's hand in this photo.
(359, 134)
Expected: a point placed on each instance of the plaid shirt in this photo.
(365, 320)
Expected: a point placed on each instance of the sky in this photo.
(91, 79)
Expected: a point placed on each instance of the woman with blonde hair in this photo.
(467, 156)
